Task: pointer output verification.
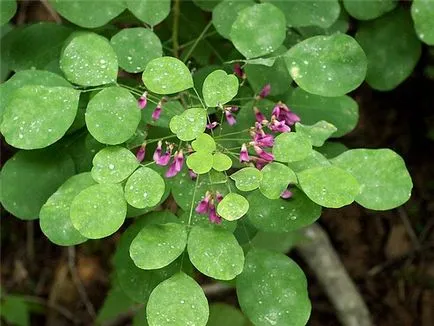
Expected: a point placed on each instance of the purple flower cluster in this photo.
(207, 206)
(142, 102)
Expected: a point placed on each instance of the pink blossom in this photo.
(279, 126)
(283, 113)
(176, 165)
(192, 175)
(164, 159)
(244, 154)
(238, 71)
(263, 154)
(140, 155)
(156, 113)
(212, 215)
(230, 118)
(204, 205)
(263, 140)
(286, 194)
(212, 125)
(265, 91)
(258, 115)
(143, 100)
(218, 197)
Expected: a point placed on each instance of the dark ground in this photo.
(393, 270)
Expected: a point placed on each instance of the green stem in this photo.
(201, 36)
(192, 41)
(231, 133)
(232, 139)
(175, 42)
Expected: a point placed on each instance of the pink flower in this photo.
(286, 194)
(212, 215)
(212, 125)
(192, 175)
(279, 126)
(156, 113)
(218, 197)
(263, 154)
(244, 154)
(265, 91)
(283, 113)
(260, 163)
(143, 100)
(164, 159)
(140, 155)
(230, 118)
(176, 166)
(263, 140)
(203, 206)
(258, 115)
(238, 71)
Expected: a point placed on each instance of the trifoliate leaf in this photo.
(113, 164)
(89, 60)
(167, 75)
(157, 245)
(215, 252)
(190, 124)
(247, 179)
(313, 160)
(233, 207)
(112, 115)
(221, 162)
(149, 11)
(291, 146)
(204, 143)
(275, 179)
(317, 133)
(144, 188)
(219, 88)
(99, 211)
(200, 162)
(225, 14)
(384, 180)
(38, 116)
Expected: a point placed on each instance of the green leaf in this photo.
(38, 116)
(254, 34)
(27, 77)
(204, 143)
(167, 75)
(149, 11)
(275, 179)
(276, 75)
(99, 211)
(247, 179)
(309, 13)
(392, 49)
(272, 290)
(282, 215)
(144, 188)
(177, 301)
(29, 178)
(313, 160)
(232, 207)
(113, 164)
(135, 48)
(329, 186)
(37, 46)
(116, 302)
(342, 111)
(135, 282)
(221, 162)
(384, 180)
(14, 309)
(291, 146)
(88, 59)
(203, 221)
(225, 14)
(112, 115)
(332, 149)
(327, 65)
(317, 133)
(89, 13)
(190, 124)
(219, 88)
(8, 9)
(224, 314)
(275, 241)
(206, 5)
(215, 252)
(365, 10)
(200, 162)
(422, 12)
(157, 245)
(54, 217)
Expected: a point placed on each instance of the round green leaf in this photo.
(282, 215)
(177, 301)
(329, 186)
(422, 12)
(200, 162)
(89, 60)
(144, 188)
(99, 211)
(225, 14)
(215, 252)
(135, 47)
(219, 88)
(190, 124)
(365, 10)
(247, 179)
(27, 77)
(206, 5)
(113, 164)
(384, 180)
(233, 207)
(167, 75)
(275, 179)
(332, 149)
(54, 217)
(342, 111)
(291, 146)
(276, 241)
(221, 162)
(38, 116)
(112, 115)
(29, 178)
(327, 65)
(317, 133)
(7, 10)
(313, 160)
(89, 13)
(300, 13)
(272, 290)
(392, 49)
(204, 222)
(225, 314)
(149, 11)
(254, 34)
(204, 143)
(158, 245)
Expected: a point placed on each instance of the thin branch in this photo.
(408, 227)
(79, 285)
(51, 11)
(214, 289)
(60, 309)
(30, 243)
(175, 28)
(321, 257)
(199, 38)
